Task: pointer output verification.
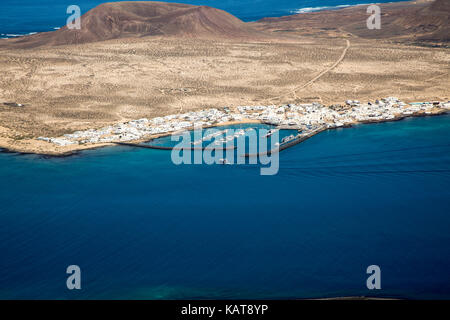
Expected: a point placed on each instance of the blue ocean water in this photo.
(141, 227)
(27, 16)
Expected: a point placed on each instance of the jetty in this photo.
(147, 146)
(298, 139)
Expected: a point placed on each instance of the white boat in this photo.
(271, 132)
(287, 139)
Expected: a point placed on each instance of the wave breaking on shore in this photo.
(323, 8)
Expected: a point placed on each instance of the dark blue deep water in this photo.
(141, 227)
(26, 16)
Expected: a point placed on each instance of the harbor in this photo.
(288, 143)
(308, 119)
(148, 146)
(133, 198)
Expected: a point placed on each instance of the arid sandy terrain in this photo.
(79, 86)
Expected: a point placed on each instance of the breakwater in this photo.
(145, 146)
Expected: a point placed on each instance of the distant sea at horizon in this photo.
(141, 227)
(18, 18)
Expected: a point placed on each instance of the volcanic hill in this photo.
(140, 19)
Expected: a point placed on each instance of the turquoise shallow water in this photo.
(141, 227)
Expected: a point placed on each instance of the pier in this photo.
(146, 146)
(299, 139)
(290, 127)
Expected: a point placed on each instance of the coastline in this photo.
(301, 139)
(68, 151)
(76, 150)
(142, 227)
(24, 138)
(8, 34)
(311, 169)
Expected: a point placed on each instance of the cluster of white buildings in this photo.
(307, 117)
(311, 115)
(140, 129)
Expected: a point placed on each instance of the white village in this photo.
(307, 118)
